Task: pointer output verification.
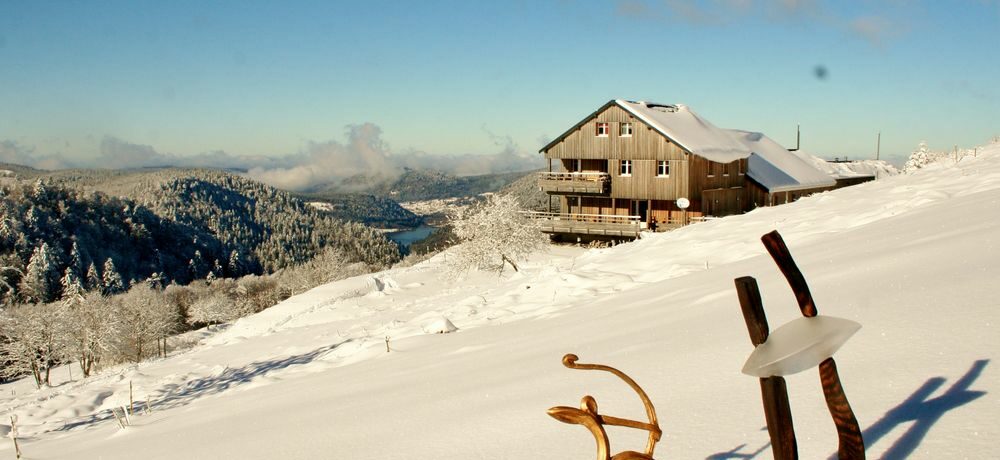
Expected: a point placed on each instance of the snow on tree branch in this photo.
(492, 235)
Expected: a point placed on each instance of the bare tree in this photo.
(30, 342)
(91, 329)
(213, 308)
(494, 234)
(139, 323)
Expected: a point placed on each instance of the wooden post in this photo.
(550, 195)
(13, 435)
(386, 344)
(774, 391)
(131, 400)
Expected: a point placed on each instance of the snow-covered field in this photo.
(913, 258)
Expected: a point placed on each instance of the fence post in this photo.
(13, 435)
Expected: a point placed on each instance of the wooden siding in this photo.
(644, 184)
(718, 187)
(759, 196)
(666, 211)
(593, 205)
(722, 201)
(643, 144)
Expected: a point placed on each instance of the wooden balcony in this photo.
(575, 182)
(588, 224)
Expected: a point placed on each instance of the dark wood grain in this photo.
(778, 413)
(753, 309)
(774, 391)
(852, 445)
(775, 246)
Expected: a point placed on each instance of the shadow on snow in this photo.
(184, 394)
(922, 412)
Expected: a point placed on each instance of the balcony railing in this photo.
(574, 182)
(588, 224)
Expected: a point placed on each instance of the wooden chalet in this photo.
(630, 163)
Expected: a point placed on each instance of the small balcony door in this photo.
(639, 208)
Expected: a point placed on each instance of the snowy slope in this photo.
(913, 258)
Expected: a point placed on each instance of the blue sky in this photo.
(454, 78)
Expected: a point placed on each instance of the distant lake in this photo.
(407, 237)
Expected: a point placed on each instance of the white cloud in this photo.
(364, 155)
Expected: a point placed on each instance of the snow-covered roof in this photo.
(683, 126)
(844, 170)
(777, 169)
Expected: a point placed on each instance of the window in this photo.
(739, 166)
(710, 169)
(626, 167)
(625, 130)
(578, 165)
(602, 129)
(663, 169)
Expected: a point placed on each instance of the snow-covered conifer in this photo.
(922, 157)
(93, 280)
(76, 262)
(41, 280)
(155, 281)
(235, 264)
(72, 288)
(111, 281)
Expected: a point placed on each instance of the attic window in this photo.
(662, 107)
(602, 129)
(625, 130)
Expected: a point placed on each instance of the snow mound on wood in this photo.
(382, 284)
(440, 326)
(877, 168)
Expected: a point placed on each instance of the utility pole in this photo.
(878, 145)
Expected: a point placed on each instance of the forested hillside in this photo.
(171, 225)
(526, 191)
(371, 210)
(419, 185)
